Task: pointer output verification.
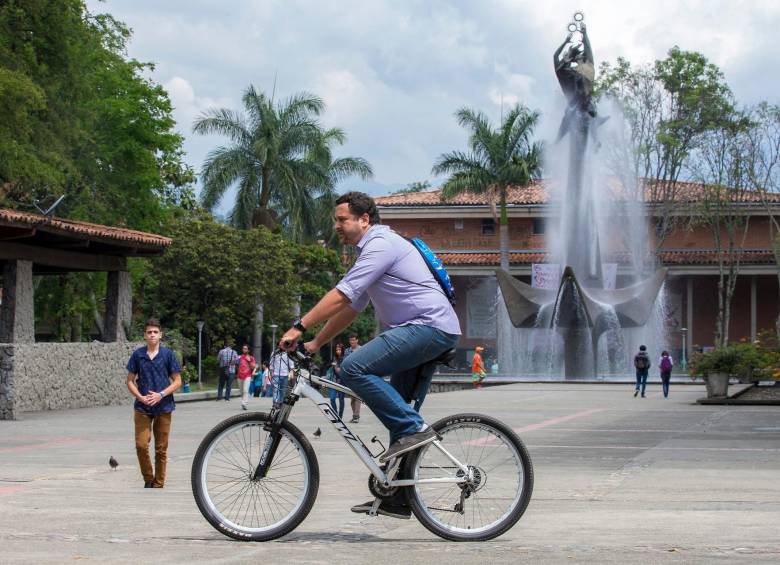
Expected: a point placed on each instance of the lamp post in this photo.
(273, 337)
(684, 360)
(200, 324)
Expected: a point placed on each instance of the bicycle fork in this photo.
(278, 417)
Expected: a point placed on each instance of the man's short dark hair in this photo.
(360, 203)
(353, 335)
(154, 323)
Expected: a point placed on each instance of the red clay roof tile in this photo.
(98, 231)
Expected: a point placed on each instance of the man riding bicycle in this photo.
(418, 320)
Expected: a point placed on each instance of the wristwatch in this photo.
(298, 325)
(162, 394)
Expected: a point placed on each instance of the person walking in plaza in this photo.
(665, 365)
(153, 374)
(259, 380)
(279, 365)
(642, 366)
(268, 385)
(477, 367)
(334, 374)
(419, 325)
(246, 371)
(227, 359)
(354, 345)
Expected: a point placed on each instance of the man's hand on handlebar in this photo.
(289, 342)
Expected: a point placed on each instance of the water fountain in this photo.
(581, 310)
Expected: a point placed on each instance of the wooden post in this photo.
(17, 319)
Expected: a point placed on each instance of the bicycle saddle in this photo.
(446, 358)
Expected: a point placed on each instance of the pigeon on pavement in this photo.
(317, 432)
(113, 463)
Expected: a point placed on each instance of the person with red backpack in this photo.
(665, 365)
(642, 365)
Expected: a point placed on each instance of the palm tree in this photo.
(280, 159)
(307, 214)
(498, 159)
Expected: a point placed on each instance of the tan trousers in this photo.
(145, 425)
(355, 404)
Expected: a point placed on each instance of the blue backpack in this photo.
(436, 268)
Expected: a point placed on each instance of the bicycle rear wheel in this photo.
(492, 501)
(251, 509)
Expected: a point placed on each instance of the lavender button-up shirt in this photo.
(392, 274)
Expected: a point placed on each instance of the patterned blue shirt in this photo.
(153, 375)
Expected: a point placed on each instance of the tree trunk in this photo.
(257, 335)
(75, 327)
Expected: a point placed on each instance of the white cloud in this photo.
(393, 73)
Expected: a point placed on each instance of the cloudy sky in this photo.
(392, 73)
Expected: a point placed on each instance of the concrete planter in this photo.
(717, 384)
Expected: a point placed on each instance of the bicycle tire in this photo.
(426, 515)
(244, 467)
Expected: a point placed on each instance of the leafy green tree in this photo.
(84, 121)
(216, 273)
(670, 107)
(498, 158)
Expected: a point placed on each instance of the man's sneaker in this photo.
(409, 443)
(243, 407)
(386, 508)
(148, 484)
(635, 393)
(355, 420)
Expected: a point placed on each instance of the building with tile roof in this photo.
(462, 231)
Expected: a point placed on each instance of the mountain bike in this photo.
(255, 476)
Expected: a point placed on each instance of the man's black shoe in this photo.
(389, 508)
(409, 443)
(148, 484)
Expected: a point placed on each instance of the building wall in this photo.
(54, 376)
(758, 236)
(441, 233)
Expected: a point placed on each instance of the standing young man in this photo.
(354, 403)
(227, 359)
(153, 374)
(418, 320)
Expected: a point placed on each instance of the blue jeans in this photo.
(280, 388)
(225, 382)
(641, 380)
(334, 394)
(397, 352)
(665, 378)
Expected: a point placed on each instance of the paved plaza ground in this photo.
(618, 480)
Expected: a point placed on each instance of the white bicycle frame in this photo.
(303, 389)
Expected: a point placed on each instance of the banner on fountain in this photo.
(545, 275)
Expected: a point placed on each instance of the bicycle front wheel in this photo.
(500, 479)
(240, 506)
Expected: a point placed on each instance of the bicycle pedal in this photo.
(375, 507)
